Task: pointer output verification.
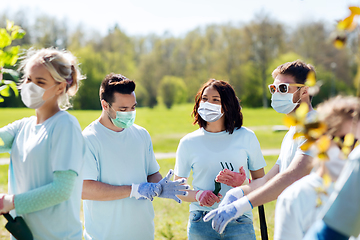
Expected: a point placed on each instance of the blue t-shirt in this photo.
(118, 158)
(206, 154)
(37, 151)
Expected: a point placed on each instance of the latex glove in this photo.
(223, 215)
(207, 198)
(231, 178)
(231, 196)
(6, 203)
(169, 189)
(145, 190)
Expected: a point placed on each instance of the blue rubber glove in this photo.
(145, 190)
(223, 215)
(231, 196)
(170, 189)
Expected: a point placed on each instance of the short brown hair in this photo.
(335, 111)
(229, 103)
(298, 69)
(115, 83)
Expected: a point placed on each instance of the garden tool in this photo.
(18, 228)
(263, 227)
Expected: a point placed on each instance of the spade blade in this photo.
(18, 228)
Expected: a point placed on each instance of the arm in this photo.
(46, 196)
(99, 191)
(258, 182)
(299, 167)
(154, 178)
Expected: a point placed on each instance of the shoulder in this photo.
(92, 129)
(139, 129)
(193, 135)
(244, 132)
(66, 120)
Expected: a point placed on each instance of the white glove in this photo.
(223, 215)
(231, 196)
(169, 189)
(145, 190)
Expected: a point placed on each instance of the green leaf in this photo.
(14, 74)
(1, 99)
(5, 91)
(18, 34)
(13, 86)
(5, 38)
(1, 141)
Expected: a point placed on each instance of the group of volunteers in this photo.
(111, 165)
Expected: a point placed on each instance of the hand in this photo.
(222, 216)
(6, 203)
(231, 178)
(231, 196)
(207, 198)
(170, 189)
(145, 190)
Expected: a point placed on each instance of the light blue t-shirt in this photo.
(37, 151)
(206, 153)
(342, 211)
(118, 158)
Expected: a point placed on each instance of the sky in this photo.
(142, 17)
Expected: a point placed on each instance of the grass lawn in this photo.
(168, 126)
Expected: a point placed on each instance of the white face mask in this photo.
(210, 112)
(283, 103)
(32, 94)
(335, 164)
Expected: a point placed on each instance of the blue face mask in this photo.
(124, 119)
(283, 103)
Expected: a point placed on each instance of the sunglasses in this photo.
(339, 140)
(282, 87)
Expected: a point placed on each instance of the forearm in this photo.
(300, 167)
(190, 197)
(46, 196)
(99, 191)
(260, 181)
(154, 178)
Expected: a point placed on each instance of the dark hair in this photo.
(229, 103)
(115, 83)
(298, 69)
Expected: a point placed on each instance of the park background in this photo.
(169, 65)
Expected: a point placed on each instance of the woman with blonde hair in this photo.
(47, 150)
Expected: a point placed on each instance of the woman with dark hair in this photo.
(221, 150)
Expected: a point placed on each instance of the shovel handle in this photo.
(8, 217)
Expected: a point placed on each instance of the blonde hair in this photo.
(337, 110)
(62, 66)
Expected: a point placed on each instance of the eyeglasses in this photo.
(283, 87)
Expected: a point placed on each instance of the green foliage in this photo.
(8, 57)
(172, 90)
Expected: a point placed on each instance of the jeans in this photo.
(241, 228)
(320, 231)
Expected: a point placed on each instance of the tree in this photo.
(8, 57)
(172, 90)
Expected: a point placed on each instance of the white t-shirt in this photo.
(206, 154)
(342, 211)
(37, 151)
(296, 208)
(118, 158)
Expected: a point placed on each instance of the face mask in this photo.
(283, 103)
(210, 112)
(334, 165)
(124, 119)
(32, 95)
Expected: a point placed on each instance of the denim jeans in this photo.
(320, 231)
(241, 228)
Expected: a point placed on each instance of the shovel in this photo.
(18, 228)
